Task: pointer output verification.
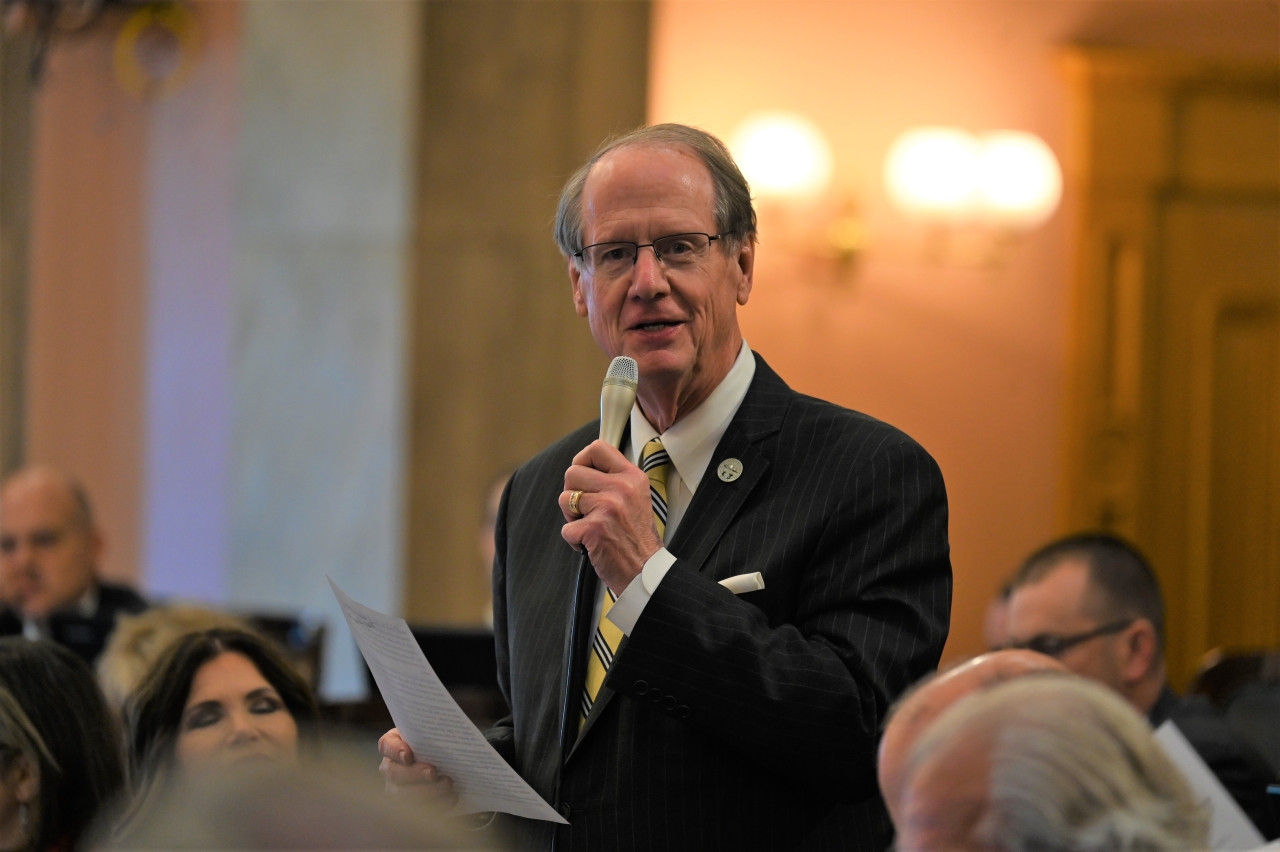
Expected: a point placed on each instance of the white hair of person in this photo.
(1073, 768)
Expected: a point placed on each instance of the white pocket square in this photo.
(743, 583)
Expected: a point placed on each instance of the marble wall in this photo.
(321, 218)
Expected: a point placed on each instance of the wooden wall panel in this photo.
(1173, 424)
(515, 96)
(15, 171)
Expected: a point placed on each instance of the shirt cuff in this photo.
(626, 610)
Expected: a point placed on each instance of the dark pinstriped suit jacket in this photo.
(745, 722)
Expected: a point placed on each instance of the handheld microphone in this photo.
(617, 397)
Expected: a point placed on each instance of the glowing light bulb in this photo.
(933, 172)
(1019, 180)
(781, 154)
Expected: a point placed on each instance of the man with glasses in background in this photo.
(706, 720)
(1093, 602)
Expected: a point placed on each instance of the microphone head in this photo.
(624, 371)
(616, 398)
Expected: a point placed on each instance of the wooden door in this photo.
(1173, 422)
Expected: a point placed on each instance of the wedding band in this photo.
(573, 502)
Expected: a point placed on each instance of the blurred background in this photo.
(277, 280)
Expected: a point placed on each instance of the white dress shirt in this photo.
(690, 442)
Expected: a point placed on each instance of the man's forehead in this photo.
(36, 498)
(646, 175)
(1060, 591)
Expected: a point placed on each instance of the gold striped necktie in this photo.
(655, 462)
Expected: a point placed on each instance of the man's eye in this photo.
(8, 544)
(677, 248)
(45, 538)
(616, 254)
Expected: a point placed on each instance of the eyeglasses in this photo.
(1053, 645)
(678, 251)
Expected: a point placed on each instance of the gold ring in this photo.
(573, 502)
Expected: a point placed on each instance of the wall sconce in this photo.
(788, 163)
(991, 188)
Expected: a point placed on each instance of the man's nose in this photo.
(648, 275)
(23, 554)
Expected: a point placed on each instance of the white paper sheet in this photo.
(1229, 829)
(432, 723)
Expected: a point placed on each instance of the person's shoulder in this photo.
(809, 418)
(117, 598)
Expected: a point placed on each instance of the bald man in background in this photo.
(50, 551)
(920, 706)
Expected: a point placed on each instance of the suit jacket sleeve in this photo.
(501, 735)
(803, 695)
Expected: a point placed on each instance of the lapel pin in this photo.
(729, 470)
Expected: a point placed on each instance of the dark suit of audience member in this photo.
(1092, 601)
(724, 721)
(49, 555)
(1241, 769)
(85, 631)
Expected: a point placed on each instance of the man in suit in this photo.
(1092, 601)
(49, 554)
(704, 719)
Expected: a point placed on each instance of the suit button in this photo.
(641, 687)
(655, 695)
(682, 712)
(669, 703)
(565, 810)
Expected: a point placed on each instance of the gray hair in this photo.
(1073, 769)
(735, 217)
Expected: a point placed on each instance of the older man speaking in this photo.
(706, 720)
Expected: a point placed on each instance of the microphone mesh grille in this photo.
(623, 367)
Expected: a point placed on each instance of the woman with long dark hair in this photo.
(64, 745)
(215, 698)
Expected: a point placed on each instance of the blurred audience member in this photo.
(926, 701)
(215, 698)
(492, 499)
(1093, 602)
(24, 760)
(321, 804)
(140, 640)
(995, 631)
(50, 549)
(60, 750)
(1046, 764)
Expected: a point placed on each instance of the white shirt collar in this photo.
(692, 440)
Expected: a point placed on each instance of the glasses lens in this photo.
(611, 258)
(1050, 646)
(681, 249)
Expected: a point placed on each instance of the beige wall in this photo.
(88, 276)
(969, 362)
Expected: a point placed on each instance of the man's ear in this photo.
(575, 278)
(746, 262)
(1139, 650)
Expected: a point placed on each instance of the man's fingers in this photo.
(393, 747)
(602, 456)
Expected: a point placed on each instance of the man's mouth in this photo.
(655, 326)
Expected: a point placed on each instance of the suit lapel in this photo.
(717, 502)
